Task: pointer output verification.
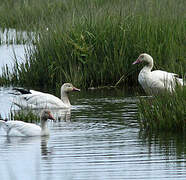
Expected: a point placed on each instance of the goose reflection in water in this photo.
(21, 143)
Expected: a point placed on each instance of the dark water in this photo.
(99, 139)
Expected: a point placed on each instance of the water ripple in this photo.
(99, 140)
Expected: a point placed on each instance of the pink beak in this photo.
(137, 61)
(51, 117)
(76, 89)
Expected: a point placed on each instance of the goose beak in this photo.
(76, 89)
(137, 61)
(51, 117)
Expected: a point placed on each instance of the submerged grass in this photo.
(93, 43)
(163, 112)
(167, 141)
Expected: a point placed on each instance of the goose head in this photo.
(68, 87)
(144, 58)
(46, 114)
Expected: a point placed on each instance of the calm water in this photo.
(99, 139)
(7, 54)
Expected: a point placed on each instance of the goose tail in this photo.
(181, 82)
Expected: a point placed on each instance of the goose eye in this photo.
(142, 56)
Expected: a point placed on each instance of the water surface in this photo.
(8, 54)
(98, 139)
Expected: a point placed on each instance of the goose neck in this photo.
(64, 98)
(148, 67)
(43, 123)
(44, 128)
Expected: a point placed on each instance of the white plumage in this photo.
(154, 82)
(36, 99)
(20, 128)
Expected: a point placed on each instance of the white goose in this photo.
(21, 128)
(154, 82)
(36, 99)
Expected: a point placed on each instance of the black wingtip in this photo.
(1, 118)
(22, 91)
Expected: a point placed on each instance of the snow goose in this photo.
(36, 99)
(21, 128)
(154, 82)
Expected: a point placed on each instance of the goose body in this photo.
(20, 128)
(155, 82)
(36, 99)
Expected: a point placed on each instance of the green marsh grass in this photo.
(93, 43)
(163, 112)
(26, 116)
(29, 14)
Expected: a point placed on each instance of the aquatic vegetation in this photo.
(93, 43)
(28, 15)
(165, 139)
(163, 112)
(26, 116)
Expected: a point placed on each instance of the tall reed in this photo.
(164, 112)
(28, 15)
(93, 43)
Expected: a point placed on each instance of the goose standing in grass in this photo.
(21, 128)
(36, 99)
(155, 82)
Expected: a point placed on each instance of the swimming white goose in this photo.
(21, 128)
(36, 99)
(154, 82)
